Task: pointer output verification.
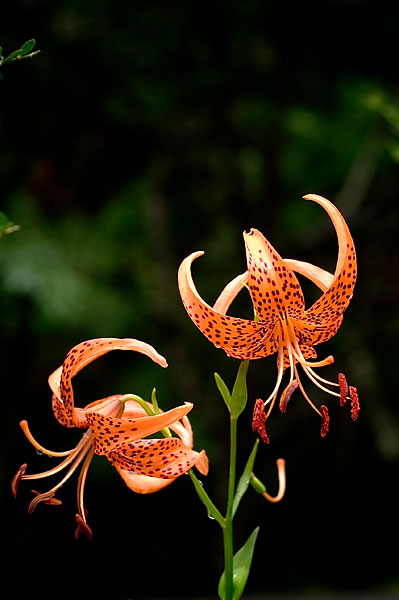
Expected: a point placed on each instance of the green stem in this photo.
(228, 529)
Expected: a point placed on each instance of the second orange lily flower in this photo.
(115, 427)
(282, 324)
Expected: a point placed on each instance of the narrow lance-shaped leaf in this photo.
(241, 566)
(239, 394)
(223, 389)
(245, 478)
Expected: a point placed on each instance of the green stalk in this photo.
(228, 529)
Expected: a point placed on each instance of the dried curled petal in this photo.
(259, 420)
(325, 421)
(355, 405)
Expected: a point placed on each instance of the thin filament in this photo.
(311, 375)
(83, 452)
(322, 378)
(279, 378)
(62, 464)
(25, 428)
(280, 372)
(308, 400)
(82, 481)
(298, 354)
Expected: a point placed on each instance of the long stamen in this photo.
(83, 451)
(334, 383)
(312, 377)
(280, 371)
(39, 447)
(81, 483)
(308, 400)
(61, 465)
(297, 351)
(305, 363)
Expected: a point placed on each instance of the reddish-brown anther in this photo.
(355, 405)
(325, 421)
(259, 420)
(82, 528)
(343, 389)
(286, 395)
(46, 498)
(17, 478)
(50, 500)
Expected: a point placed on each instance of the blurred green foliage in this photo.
(142, 132)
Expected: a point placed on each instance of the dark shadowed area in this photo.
(142, 132)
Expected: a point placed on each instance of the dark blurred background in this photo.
(144, 131)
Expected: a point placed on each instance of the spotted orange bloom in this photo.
(115, 427)
(282, 324)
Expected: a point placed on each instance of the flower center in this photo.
(290, 354)
(83, 452)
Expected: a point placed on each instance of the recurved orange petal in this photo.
(111, 433)
(323, 318)
(80, 356)
(239, 338)
(318, 276)
(230, 292)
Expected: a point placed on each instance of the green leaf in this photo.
(239, 394)
(241, 565)
(27, 46)
(25, 51)
(223, 389)
(245, 478)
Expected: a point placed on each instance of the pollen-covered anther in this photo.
(343, 389)
(82, 528)
(325, 421)
(259, 419)
(17, 478)
(46, 497)
(355, 405)
(286, 395)
(50, 500)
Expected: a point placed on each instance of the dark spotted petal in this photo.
(80, 356)
(274, 288)
(239, 338)
(322, 320)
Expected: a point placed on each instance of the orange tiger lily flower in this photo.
(282, 324)
(115, 427)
